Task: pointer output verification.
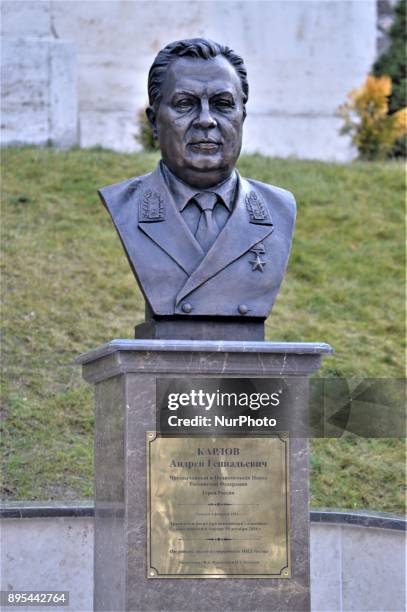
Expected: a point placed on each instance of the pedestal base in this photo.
(166, 329)
(124, 374)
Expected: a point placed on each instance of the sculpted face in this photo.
(199, 120)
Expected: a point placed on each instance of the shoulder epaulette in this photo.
(257, 209)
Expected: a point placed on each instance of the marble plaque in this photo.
(218, 507)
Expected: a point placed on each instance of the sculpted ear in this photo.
(151, 116)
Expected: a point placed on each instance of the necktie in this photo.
(207, 229)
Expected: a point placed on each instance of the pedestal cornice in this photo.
(202, 357)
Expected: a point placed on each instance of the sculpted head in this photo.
(197, 94)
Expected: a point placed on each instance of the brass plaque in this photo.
(218, 507)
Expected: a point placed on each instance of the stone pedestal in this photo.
(124, 373)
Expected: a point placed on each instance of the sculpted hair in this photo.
(193, 47)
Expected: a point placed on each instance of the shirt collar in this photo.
(182, 192)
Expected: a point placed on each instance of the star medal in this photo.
(258, 263)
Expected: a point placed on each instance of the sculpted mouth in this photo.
(205, 144)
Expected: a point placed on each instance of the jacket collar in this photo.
(168, 229)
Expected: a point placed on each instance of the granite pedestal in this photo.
(124, 373)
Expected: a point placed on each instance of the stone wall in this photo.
(302, 56)
(39, 79)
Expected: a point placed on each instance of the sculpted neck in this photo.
(201, 179)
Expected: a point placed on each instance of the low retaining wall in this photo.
(357, 559)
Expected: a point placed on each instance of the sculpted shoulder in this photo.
(119, 198)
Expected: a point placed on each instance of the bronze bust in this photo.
(208, 247)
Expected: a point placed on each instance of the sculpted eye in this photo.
(184, 104)
(223, 103)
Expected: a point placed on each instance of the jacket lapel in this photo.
(161, 220)
(240, 233)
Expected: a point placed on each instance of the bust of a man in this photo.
(208, 247)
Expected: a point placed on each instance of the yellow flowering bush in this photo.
(366, 119)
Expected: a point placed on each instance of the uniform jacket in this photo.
(241, 273)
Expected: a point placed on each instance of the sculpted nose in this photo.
(204, 119)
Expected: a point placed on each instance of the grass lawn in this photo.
(67, 288)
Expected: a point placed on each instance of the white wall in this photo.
(302, 56)
(38, 79)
